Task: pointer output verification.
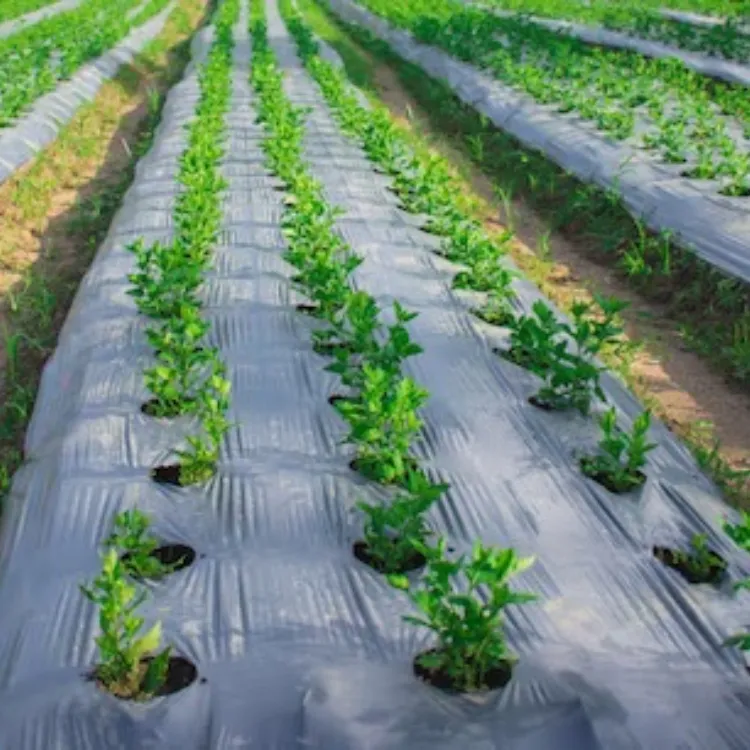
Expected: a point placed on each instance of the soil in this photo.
(174, 556)
(495, 679)
(362, 553)
(308, 309)
(169, 474)
(336, 397)
(181, 673)
(680, 562)
(687, 393)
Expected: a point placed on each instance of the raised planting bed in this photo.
(281, 635)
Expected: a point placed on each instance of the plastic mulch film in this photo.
(8, 28)
(714, 67)
(22, 141)
(299, 645)
(715, 227)
(697, 19)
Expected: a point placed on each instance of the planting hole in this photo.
(169, 474)
(308, 309)
(151, 409)
(618, 487)
(541, 404)
(499, 318)
(174, 556)
(495, 679)
(181, 673)
(683, 563)
(336, 397)
(362, 553)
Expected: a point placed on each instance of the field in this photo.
(343, 408)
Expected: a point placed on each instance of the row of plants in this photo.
(563, 353)
(728, 39)
(35, 60)
(380, 405)
(187, 381)
(11, 9)
(189, 377)
(667, 109)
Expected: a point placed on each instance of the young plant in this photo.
(698, 565)
(621, 455)
(471, 653)
(130, 537)
(394, 532)
(128, 666)
(198, 463)
(564, 353)
(383, 422)
(176, 379)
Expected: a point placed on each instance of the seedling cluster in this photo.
(129, 665)
(189, 377)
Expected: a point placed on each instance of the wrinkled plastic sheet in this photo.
(22, 141)
(715, 227)
(714, 67)
(697, 19)
(301, 646)
(8, 28)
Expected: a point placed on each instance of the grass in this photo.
(55, 213)
(440, 123)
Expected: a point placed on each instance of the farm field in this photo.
(321, 455)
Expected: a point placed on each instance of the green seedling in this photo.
(198, 463)
(467, 620)
(621, 455)
(395, 531)
(165, 281)
(383, 423)
(360, 346)
(131, 539)
(699, 565)
(564, 353)
(128, 666)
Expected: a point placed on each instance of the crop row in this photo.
(13, 8)
(665, 107)
(35, 60)
(380, 403)
(188, 379)
(726, 40)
